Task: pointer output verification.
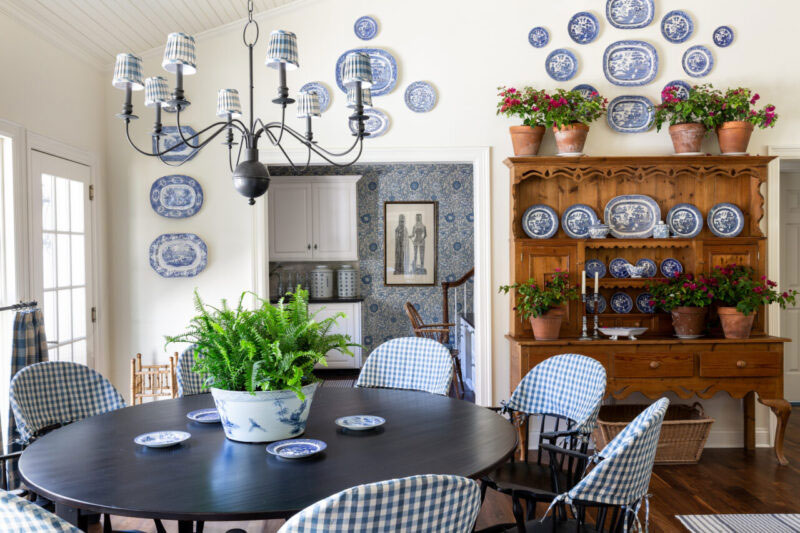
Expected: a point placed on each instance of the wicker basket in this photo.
(683, 433)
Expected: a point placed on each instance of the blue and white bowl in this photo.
(577, 219)
(685, 220)
(649, 267)
(619, 268)
(296, 448)
(621, 303)
(725, 220)
(671, 268)
(677, 26)
(540, 222)
(161, 439)
(583, 27)
(598, 231)
(204, 416)
(643, 303)
(538, 37)
(595, 265)
(360, 422)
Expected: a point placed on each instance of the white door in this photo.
(289, 212)
(347, 326)
(334, 211)
(61, 255)
(790, 279)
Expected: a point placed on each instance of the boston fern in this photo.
(271, 347)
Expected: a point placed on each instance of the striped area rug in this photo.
(741, 523)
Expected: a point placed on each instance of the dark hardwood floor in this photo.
(725, 481)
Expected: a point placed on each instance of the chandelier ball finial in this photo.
(282, 48)
(128, 72)
(180, 50)
(251, 177)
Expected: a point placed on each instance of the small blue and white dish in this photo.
(630, 63)
(365, 28)
(585, 89)
(643, 303)
(725, 220)
(621, 303)
(538, 37)
(683, 89)
(649, 267)
(178, 255)
(161, 439)
(601, 305)
(677, 26)
(671, 268)
(598, 231)
(420, 97)
(322, 93)
(296, 448)
(169, 138)
(576, 221)
(360, 422)
(630, 14)
(583, 27)
(204, 416)
(540, 222)
(619, 268)
(697, 61)
(685, 220)
(632, 216)
(630, 114)
(723, 36)
(377, 123)
(561, 64)
(176, 196)
(384, 70)
(594, 265)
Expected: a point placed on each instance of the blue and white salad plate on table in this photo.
(420, 97)
(360, 422)
(630, 63)
(630, 114)
(322, 93)
(296, 448)
(677, 26)
(583, 27)
(594, 265)
(384, 70)
(538, 37)
(169, 138)
(585, 89)
(619, 268)
(204, 416)
(577, 219)
(725, 220)
(632, 216)
(161, 439)
(643, 303)
(621, 303)
(377, 123)
(601, 305)
(723, 36)
(365, 28)
(671, 268)
(683, 89)
(697, 61)
(561, 64)
(178, 255)
(685, 220)
(176, 196)
(540, 222)
(630, 14)
(649, 266)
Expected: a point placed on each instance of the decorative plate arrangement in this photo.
(585, 89)
(630, 63)
(176, 196)
(621, 303)
(619, 268)
(384, 70)
(561, 64)
(360, 422)
(178, 255)
(377, 123)
(583, 27)
(161, 439)
(697, 61)
(723, 36)
(685, 220)
(420, 97)
(630, 114)
(169, 138)
(677, 26)
(683, 89)
(365, 28)
(540, 222)
(632, 216)
(630, 14)
(601, 305)
(671, 268)
(594, 265)
(204, 416)
(538, 37)
(725, 220)
(296, 448)
(648, 266)
(643, 303)
(577, 219)
(322, 92)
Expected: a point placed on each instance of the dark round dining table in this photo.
(94, 465)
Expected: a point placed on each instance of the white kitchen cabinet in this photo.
(347, 326)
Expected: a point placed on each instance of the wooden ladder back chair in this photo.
(153, 381)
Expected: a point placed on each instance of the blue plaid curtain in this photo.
(29, 347)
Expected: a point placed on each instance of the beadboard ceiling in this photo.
(96, 30)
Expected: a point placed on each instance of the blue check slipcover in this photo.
(568, 385)
(21, 516)
(189, 382)
(413, 504)
(411, 363)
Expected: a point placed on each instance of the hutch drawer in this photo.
(646, 364)
(736, 364)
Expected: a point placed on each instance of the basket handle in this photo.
(699, 408)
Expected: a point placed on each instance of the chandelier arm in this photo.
(334, 163)
(232, 123)
(158, 153)
(313, 146)
(291, 163)
(340, 154)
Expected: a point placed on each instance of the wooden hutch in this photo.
(658, 362)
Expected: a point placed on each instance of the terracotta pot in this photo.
(689, 321)
(548, 326)
(734, 137)
(571, 138)
(687, 138)
(526, 139)
(735, 324)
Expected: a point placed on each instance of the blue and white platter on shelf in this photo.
(360, 422)
(585, 89)
(619, 268)
(649, 266)
(630, 114)
(630, 63)
(204, 416)
(377, 123)
(384, 70)
(725, 220)
(683, 89)
(583, 27)
(322, 92)
(561, 64)
(697, 61)
(176, 196)
(420, 97)
(685, 220)
(577, 219)
(621, 303)
(169, 138)
(629, 14)
(601, 305)
(677, 26)
(632, 216)
(178, 255)
(538, 37)
(671, 268)
(723, 36)
(161, 439)
(643, 303)
(594, 265)
(365, 28)
(296, 448)
(540, 222)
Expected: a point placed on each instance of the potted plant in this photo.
(569, 113)
(687, 299)
(544, 305)
(527, 105)
(259, 363)
(739, 295)
(688, 119)
(735, 115)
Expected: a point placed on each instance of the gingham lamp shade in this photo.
(282, 48)
(308, 104)
(357, 67)
(180, 50)
(366, 97)
(155, 91)
(228, 102)
(128, 71)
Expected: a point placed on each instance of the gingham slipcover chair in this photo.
(410, 363)
(446, 504)
(22, 516)
(189, 383)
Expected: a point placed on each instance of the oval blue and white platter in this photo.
(601, 306)
(178, 255)
(377, 123)
(723, 36)
(360, 422)
(322, 92)
(619, 268)
(594, 265)
(420, 97)
(169, 138)
(643, 303)
(630, 14)
(540, 222)
(583, 27)
(577, 219)
(697, 61)
(365, 28)
(585, 89)
(677, 26)
(632, 216)
(561, 64)
(671, 268)
(621, 303)
(725, 220)
(538, 37)
(685, 220)
(630, 63)
(650, 267)
(296, 448)
(630, 114)
(176, 196)
(384, 70)
(161, 439)
(683, 89)
(204, 416)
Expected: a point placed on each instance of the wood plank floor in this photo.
(725, 481)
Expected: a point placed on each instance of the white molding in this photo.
(16, 132)
(344, 178)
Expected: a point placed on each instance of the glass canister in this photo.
(321, 282)
(346, 281)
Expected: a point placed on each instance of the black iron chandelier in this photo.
(250, 176)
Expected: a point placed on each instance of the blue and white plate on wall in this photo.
(621, 303)
(540, 222)
(649, 266)
(601, 305)
(619, 268)
(630, 114)
(162, 439)
(360, 422)
(630, 63)
(377, 123)
(723, 36)
(671, 268)
(583, 27)
(697, 61)
(365, 28)
(677, 26)
(176, 196)
(725, 220)
(169, 138)
(322, 92)
(178, 255)
(561, 64)
(632, 216)
(204, 416)
(420, 97)
(538, 37)
(643, 303)
(577, 219)
(630, 14)
(384, 70)
(594, 265)
(683, 89)
(685, 220)
(585, 89)
(296, 448)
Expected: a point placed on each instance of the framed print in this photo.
(410, 234)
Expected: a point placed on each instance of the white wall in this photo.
(466, 49)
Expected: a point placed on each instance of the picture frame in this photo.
(415, 225)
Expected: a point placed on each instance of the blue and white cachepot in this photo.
(265, 416)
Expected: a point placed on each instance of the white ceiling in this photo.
(99, 29)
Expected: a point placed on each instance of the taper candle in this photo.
(596, 283)
(583, 282)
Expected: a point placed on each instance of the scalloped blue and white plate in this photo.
(630, 114)
(365, 28)
(594, 265)
(583, 27)
(577, 219)
(683, 88)
(561, 64)
(632, 216)
(621, 303)
(377, 123)
(360, 422)
(685, 220)
(671, 268)
(384, 70)
(420, 97)
(602, 304)
(650, 267)
(538, 37)
(585, 89)
(169, 138)
(161, 439)
(178, 255)
(176, 196)
(677, 26)
(723, 36)
(630, 14)
(697, 61)
(725, 220)
(204, 416)
(540, 222)
(643, 303)
(619, 268)
(630, 63)
(322, 92)
(296, 448)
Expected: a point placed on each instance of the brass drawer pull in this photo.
(741, 364)
(655, 364)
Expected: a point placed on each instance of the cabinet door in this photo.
(334, 221)
(351, 325)
(289, 213)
